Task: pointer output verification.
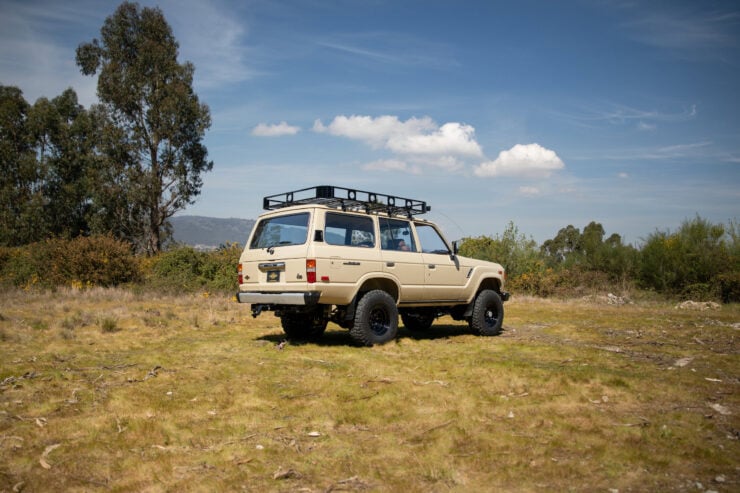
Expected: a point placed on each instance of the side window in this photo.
(348, 230)
(430, 239)
(281, 231)
(395, 234)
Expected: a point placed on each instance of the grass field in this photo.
(107, 390)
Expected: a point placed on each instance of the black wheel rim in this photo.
(379, 321)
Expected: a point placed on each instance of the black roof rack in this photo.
(347, 199)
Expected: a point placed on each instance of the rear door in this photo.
(349, 248)
(275, 259)
(401, 258)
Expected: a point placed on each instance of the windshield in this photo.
(281, 231)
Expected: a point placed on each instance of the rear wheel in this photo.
(488, 313)
(376, 319)
(304, 326)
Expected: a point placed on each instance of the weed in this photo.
(108, 325)
(39, 324)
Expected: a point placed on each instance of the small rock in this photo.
(683, 362)
(723, 410)
(698, 305)
(314, 434)
(613, 299)
(720, 478)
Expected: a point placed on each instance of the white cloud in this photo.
(529, 191)
(392, 165)
(526, 161)
(623, 175)
(275, 130)
(415, 136)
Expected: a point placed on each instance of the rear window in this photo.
(281, 231)
(395, 234)
(348, 230)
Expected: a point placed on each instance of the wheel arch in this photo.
(492, 283)
(381, 283)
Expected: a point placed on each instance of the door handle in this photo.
(390, 264)
(432, 266)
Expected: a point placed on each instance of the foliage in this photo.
(156, 122)
(184, 269)
(21, 194)
(698, 261)
(79, 262)
(588, 251)
(517, 253)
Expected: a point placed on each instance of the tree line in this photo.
(123, 166)
(700, 260)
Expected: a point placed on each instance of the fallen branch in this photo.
(46, 453)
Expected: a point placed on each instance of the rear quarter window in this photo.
(348, 230)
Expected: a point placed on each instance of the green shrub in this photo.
(80, 262)
(727, 285)
(185, 269)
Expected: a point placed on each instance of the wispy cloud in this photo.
(275, 130)
(213, 38)
(389, 48)
(392, 165)
(687, 34)
(529, 191)
(619, 114)
(522, 161)
(692, 150)
(32, 51)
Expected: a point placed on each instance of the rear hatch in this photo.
(274, 258)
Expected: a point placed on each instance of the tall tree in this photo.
(64, 138)
(150, 100)
(21, 177)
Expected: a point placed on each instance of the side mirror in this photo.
(454, 249)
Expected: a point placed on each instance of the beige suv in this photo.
(359, 259)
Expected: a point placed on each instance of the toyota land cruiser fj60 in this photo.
(360, 259)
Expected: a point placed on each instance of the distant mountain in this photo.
(210, 232)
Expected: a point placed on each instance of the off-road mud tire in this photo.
(376, 319)
(488, 313)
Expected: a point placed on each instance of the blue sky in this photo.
(541, 113)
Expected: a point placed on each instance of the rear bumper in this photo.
(297, 298)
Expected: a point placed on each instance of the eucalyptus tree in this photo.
(21, 177)
(157, 119)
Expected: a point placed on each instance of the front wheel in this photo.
(376, 319)
(488, 313)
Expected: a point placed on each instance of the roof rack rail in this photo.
(347, 199)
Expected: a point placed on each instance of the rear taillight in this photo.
(239, 271)
(311, 271)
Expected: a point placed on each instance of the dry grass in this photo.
(109, 390)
